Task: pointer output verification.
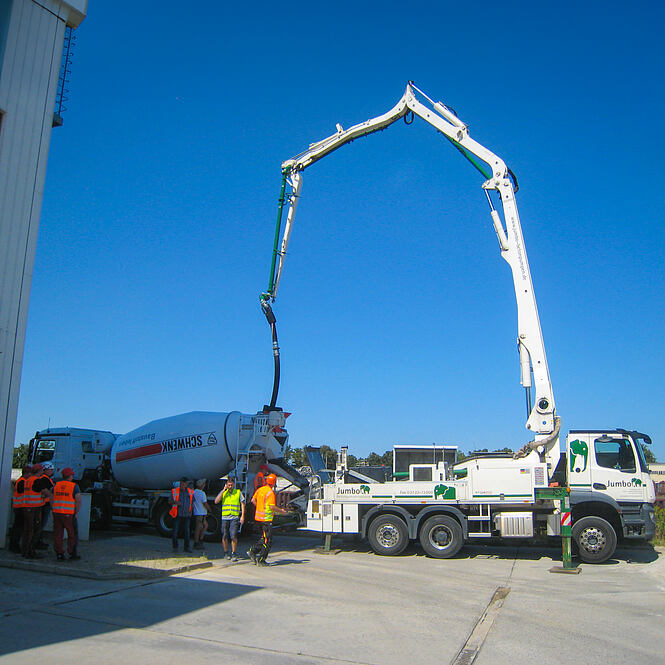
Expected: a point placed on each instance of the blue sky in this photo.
(396, 314)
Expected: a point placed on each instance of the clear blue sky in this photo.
(396, 314)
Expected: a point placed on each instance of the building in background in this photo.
(657, 473)
(32, 38)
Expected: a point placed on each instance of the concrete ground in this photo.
(352, 607)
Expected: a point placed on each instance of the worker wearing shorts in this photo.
(233, 515)
(200, 510)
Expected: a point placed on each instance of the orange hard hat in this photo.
(271, 479)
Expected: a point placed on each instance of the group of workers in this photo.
(35, 497)
(187, 503)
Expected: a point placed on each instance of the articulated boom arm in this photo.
(533, 362)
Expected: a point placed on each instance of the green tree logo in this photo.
(578, 449)
(444, 492)
(364, 489)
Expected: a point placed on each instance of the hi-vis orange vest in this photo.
(63, 497)
(18, 500)
(31, 499)
(175, 493)
(259, 480)
(264, 504)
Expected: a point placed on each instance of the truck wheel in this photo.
(595, 538)
(100, 512)
(213, 533)
(388, 535)
(163, 521)
(441, 536)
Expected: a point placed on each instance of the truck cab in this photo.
(608, 476)
(83, 450)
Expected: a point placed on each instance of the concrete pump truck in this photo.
(597, 490)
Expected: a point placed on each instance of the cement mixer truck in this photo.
(130, 475)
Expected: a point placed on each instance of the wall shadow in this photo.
(159, 601)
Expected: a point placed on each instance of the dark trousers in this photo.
(16, 531)
(31, 523)
(178, 524)
(62, 522)
(39, 535)
(261, 549)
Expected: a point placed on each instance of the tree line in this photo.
(296, 457)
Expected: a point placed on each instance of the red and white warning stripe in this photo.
(566, 519)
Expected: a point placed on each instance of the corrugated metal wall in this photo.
(28, 81)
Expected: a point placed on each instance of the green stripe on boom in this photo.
(479, 165)
(278, 228)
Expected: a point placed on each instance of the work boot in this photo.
(252, 556)
(234, 558)
(227, 556)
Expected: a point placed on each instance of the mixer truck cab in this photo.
(83, 450)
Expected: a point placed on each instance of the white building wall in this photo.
(29, 68)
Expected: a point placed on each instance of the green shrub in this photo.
(660, 526)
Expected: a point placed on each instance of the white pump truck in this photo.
(597, 491)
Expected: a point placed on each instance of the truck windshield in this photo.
(44, 451)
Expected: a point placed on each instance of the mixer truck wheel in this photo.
(163, 521)
(388, 535)
(213, 533)
(100, 511)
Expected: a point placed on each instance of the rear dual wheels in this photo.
(388, 535)
(441, 536)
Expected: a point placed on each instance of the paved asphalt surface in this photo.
(351, 607)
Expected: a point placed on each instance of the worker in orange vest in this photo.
(66, 504)
(35, 493)
(182, 501)
(264, 510)
(260, 477)
(18, 503)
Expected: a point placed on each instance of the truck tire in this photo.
(163, 521)
(595, 538)
(213, 533)
(441, 536)
(388, 535)
(100, 511)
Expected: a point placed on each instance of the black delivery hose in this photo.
(270, 316)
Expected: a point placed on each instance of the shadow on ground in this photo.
(113, 610)
(639, 553)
